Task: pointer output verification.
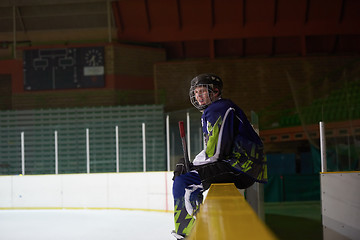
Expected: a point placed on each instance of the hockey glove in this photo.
(179, 168)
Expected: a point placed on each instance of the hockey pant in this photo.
(188, 188)
(187, 192)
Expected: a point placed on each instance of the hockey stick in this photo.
(183, 141)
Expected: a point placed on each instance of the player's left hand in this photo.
(180, 168)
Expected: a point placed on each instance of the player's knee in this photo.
(183, 181)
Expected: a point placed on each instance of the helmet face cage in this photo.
(208, 82)
(206, 93)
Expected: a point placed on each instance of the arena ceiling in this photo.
(192, 28)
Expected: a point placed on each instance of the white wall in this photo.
(340, 195)
(150, 190)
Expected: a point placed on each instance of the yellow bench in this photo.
(226, 215)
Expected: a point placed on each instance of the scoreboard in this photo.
(63, 68)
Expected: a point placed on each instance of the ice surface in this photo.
(85, 225)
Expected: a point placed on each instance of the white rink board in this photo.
(5, 192)
(36, 191)
(340, 196)
(150, 190)
(65, 224)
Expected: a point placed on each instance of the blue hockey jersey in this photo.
(230, 137)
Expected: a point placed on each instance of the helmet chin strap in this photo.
(215, 99)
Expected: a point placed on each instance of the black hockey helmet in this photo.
(212, 82)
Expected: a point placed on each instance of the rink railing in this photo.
(226, 214)
(40, 128)
(117, 147)
(95, 140)
(56, 153)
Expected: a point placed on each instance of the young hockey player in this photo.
(233, 152)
